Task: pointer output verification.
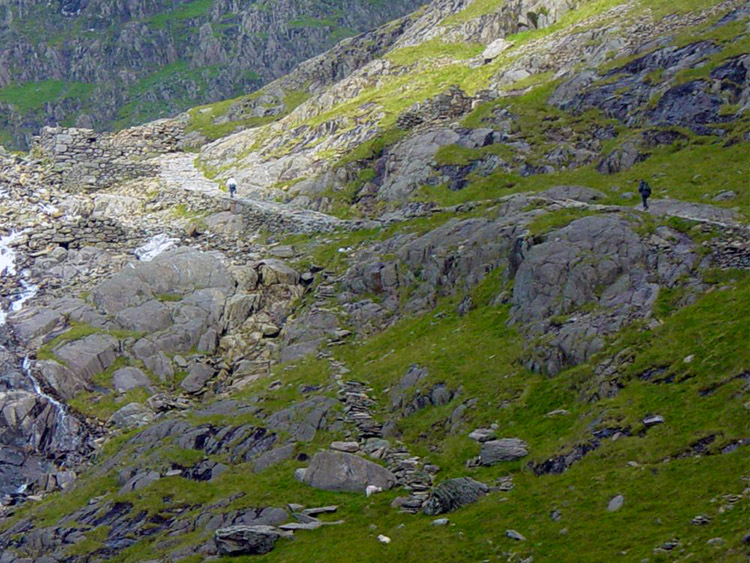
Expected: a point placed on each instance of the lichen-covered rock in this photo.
(454, 493)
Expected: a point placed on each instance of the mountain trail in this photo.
(178, 172)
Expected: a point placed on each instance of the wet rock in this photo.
(246, 540)
(505, 449)
(338, 471)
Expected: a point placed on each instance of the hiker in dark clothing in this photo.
(232, 185)
(645, 190)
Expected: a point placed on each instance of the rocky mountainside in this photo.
(435, 323)
(101, 63)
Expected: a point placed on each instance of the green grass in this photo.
(479, 354)
(32, 96)
(434, 49)
(188, 10)
(474, 10)
(204, 119)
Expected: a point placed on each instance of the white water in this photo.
(155, 246)
(8, 267)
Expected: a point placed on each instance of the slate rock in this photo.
(246, 540)
(350, 447)
(339, 471)
(90, 355)
(273, 457)
(127, 378)
(505, 449)
(454, 493)
(198, 375)
(132, 415)
(482, 435)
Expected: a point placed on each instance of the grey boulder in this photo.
(454, 493)
(198, 375)
(505, 449)
(339, 471)
(89, 356)
(127, 378)
(132, 415)
(246, 540)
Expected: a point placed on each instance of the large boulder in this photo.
(90, 355)
(338, 471)
(453, 494)
(127, 378)
(63, 380)
(505, 449)
(246, 540)
(147, 317)
(198, 374)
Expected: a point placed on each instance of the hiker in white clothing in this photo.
(232, 185)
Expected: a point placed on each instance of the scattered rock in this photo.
(383, 539)
(440, 522)
(349, 447)
(514, 535)
(653, 420)
(616, 503)
(482, 434)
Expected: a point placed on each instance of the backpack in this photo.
(644, 189)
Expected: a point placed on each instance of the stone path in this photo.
(408, 468)
(178, 172)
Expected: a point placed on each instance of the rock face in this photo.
(274, 45)
(453, 494)
(246, 540)
(338, 471)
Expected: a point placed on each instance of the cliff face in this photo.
(105, 63)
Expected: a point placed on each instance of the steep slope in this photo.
(99, 63)
(437, 280)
